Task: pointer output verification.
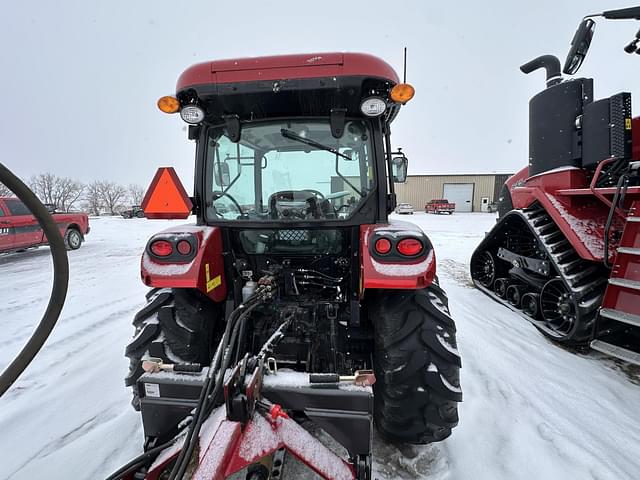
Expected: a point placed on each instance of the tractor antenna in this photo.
(404, 68)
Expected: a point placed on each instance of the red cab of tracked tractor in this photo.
(293, 295)
(565, 252)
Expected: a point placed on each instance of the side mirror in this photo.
(221, 174)
(399, 169)
(579, 46)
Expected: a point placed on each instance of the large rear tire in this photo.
(176, 325)
(417, 365)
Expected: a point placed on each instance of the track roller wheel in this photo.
(530, 304)
(514, 294)
(500, 287)
(558, 307)
(483, 268)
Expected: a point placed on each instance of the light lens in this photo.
(192, 114)
(183, 247)
(383, 246)
(402, 93)
(169, 104)
(373, 106)
(410, 247)
(161, 248)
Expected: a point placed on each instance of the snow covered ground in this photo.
(531, 410)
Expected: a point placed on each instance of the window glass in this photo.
(289, 170)
(16, 207)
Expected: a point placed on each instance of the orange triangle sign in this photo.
(166, 197)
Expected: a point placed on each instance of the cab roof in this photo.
(297, 66)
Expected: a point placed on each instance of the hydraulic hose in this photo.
(60, 279)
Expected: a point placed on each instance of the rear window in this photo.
(16, 207)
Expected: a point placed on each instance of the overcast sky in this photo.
(81, 79)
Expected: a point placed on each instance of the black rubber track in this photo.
(584, 280)
(417, 366)
(176, 325)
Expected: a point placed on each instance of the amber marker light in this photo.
(402, 93)
(169, 104)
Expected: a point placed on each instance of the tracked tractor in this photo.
(565, 251)
(292, 297)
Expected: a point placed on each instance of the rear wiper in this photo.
(312, 143)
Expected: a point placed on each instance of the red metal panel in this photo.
(205, 272)
(409, 275)
(286, 67)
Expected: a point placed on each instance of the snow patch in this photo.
(401, 270)
(167, 270)
(587, 230)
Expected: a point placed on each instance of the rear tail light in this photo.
(383, 246)
(183, 247)
(161, 248)
(409, 247)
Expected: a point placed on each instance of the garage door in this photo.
(461, 194)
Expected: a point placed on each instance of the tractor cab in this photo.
(293, 139)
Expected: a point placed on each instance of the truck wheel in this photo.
(72, 238)
(176, 325)
(140, 214)
(417, 365)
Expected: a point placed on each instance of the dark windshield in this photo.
(288, 170)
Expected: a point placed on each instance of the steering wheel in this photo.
(312, 199)
(317, 193)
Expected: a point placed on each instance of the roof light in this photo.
(402, 93)
(373, 106)
(410, 247)
(169, 104)
(192, 114)
(383, 246)
(161, 248)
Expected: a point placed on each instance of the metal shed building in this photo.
(468, 192)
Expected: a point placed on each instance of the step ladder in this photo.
(618, 326)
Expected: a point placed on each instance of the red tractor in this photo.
(293, 296)
(565, 252)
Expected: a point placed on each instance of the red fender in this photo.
(205, 271)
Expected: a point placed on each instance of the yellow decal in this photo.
(211, 282)
(627, 123)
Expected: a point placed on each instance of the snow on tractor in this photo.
(293, 297)
(565, 252)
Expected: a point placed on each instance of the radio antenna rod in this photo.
(404, 79)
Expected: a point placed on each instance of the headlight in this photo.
(192, 114)
(373, 106)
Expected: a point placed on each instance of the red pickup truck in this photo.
(440, 205)
(19, 229)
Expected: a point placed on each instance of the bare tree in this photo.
(44, 186)
(112, 196)
(4, 191)
(69, 192)
(63, 192)
(93, 198)
(136, 193)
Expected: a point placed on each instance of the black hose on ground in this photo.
(60, 278)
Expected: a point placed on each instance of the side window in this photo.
(1, 212)
(16, 207)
